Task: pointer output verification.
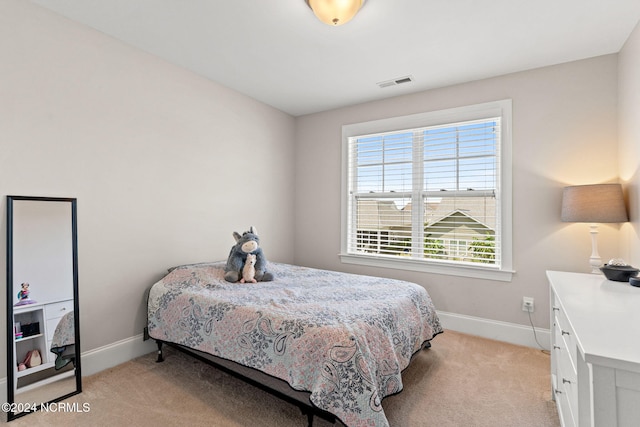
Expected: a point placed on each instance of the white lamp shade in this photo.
(335, 12)
(593, 203)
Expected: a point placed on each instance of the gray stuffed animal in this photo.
(248, 243)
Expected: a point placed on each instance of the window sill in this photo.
(429, 267)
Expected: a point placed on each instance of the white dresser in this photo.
(595, 342)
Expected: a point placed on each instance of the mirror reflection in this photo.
(42, 340)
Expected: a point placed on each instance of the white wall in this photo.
(165, 165)
(564, 133)
(629, 139)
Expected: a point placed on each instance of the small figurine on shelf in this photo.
(23, 295)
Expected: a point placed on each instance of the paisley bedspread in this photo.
(63, 341)
(343, 337)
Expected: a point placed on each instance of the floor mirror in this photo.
(43, 327)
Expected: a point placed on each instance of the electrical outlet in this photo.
(527, 304)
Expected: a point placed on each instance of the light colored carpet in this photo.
(461, 381)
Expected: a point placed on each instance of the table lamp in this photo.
(597, 203)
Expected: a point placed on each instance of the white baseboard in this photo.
(108, 356)
(496, 330)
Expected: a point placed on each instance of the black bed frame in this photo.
(268, 383)
(272, 385)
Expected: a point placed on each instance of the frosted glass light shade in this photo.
(335, 12)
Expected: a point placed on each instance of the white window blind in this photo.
(431, 194)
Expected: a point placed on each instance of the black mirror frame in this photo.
(11, 415)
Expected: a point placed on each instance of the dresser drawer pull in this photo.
(556, 308)
(565, 381)
(558, 391)
(565, 333)
(557, 347)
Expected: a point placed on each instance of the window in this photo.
(430, 192)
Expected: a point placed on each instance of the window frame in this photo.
(502, 109)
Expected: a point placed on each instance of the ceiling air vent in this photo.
(395, 82)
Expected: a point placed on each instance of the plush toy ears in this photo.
(252, 230)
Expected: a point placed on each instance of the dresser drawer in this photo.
(58, 309)
(567, 407)
(54, 313)
(564, 335)
(566, 349)
(567, 382)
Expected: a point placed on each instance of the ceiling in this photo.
(277, 52)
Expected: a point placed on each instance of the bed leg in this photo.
(160, 358)
(309, 415)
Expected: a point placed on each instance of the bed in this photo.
(338, 340)
(63, 343)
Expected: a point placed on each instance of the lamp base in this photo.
(595, 261)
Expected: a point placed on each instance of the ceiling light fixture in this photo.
(335, 12)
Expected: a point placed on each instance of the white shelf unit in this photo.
(47, 315)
